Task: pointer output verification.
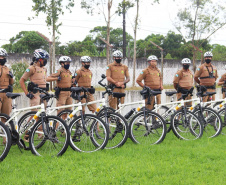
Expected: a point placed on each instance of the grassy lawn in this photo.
(171, 162)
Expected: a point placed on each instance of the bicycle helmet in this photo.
(117, 54)
(41, 54)
(3, 52)
(85, 59)
(152, 57)
(64, 59)
(186, 61)
(208, 54)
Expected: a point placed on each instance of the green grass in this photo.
(171, 162)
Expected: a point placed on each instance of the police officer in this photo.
(184, 79)
(206, 75)
(83, 78)
(222, 82)
(152, 79)
(63, 77)
(118, 75)
(37, 74)
(6, 79)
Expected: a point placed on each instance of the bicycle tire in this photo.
(65, 112)
(118, 129)
(221, 112)
(156, 132)
(186, 131)
(109, 109)
(23, 122)
(5, 141)
(57, 140)
(88, 142)
(214, 126)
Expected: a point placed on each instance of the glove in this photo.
(29, 95)
(59, 78)
(10, 74)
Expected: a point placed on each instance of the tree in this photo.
(25, 42)
(53, 9)
(199, 20)
(99, 4)
(219, 52)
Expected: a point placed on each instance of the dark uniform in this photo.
(184, 79)
(5, 81)
(38, 76)
(207, 73)
(83, 77)
(117, 72)
(152, 78)
(64, 85)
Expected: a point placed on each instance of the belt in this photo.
(65, 89)
(210, 87)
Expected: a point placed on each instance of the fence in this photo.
(99, 65)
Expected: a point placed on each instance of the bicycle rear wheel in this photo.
(91, 137)
(55, 142)
(154, 133)
(118, 129)
(166, 115)
(211, 121)
(186, 128)
(5, 141)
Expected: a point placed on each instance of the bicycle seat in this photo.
(154, 93)
(118, 95)
(210, 93)
(76, 89)
(12, 95)
(170, 93)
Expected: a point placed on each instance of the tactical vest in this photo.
(4, 77)
(205, 78)
(186, 82)
(85, 79)
(152, 78)
(118, 73)
(39, 76)
(65, 81)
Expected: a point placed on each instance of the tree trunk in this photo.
(134, 47)
(53, 46)
(51, 63)
(108, 31)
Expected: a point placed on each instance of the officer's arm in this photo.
(108, 74)
(197, 74)
(197, 80)
(22, 84)
(11, 81)
(50, 79)
(139, 79)
(221, 81)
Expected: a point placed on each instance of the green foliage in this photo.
(219, 52)
(26, 42)
(127, 3)
(18, 70)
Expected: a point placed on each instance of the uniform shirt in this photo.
(223, 78)
(203, 72)
(5, 79)
(83, 77)
(66, 77)
(152, 77)
(117, 71)
(184, 78)
(36, 74)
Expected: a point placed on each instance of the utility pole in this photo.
(50, 54)
(124, 29)
(161, 56)
(109, 45)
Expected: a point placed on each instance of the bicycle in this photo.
(5, 141)
(44, 137)
(210, 119)
(152, 129)
(184, 123)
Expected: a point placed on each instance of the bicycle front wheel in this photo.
(5, 141)
(211, 121)
(223, 118)
(151, 132)
(89, 136)
(186, 127)
(54, 142)
(118, 129)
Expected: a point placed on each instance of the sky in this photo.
(156, 19)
